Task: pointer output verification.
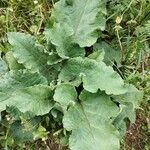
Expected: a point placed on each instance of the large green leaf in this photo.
(12, 62)
(26, 51)
(26, 91)
(110, 55)
(133, 96)
(126, 111)
(60, 36)
(29, 54)
(65, 95)
(129, 102)
(37, 99)
(95, 75)
(85, 17)
(19, 79)
(3, 67)
(90, 123)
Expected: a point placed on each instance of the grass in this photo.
(24, 16)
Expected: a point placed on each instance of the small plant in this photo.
(73, 80)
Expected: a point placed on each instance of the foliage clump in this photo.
(71, 84)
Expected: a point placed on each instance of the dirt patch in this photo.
(137, 136)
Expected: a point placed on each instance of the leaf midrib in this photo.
(76, 29)
(88, 122)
